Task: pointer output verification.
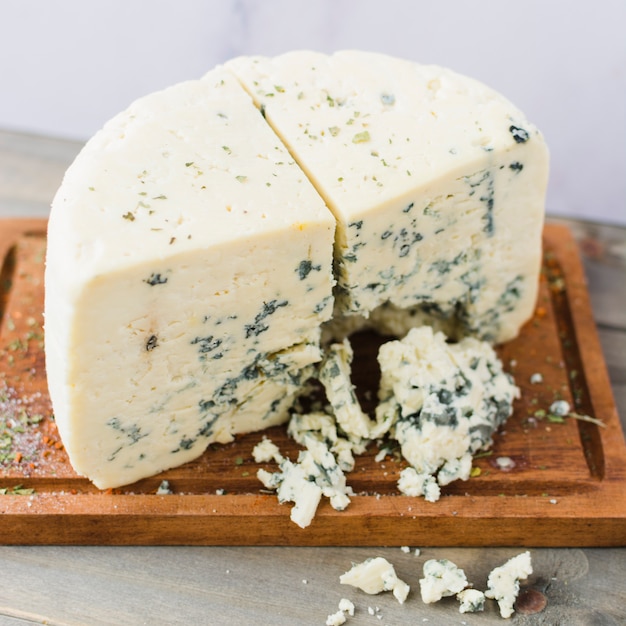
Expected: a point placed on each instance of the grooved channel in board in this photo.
(7, 267)
(589, 432)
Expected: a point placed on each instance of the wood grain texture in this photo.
(568, 486)
(222, 586)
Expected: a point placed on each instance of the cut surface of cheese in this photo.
(188, 271)
(437, 183)
(207, 236)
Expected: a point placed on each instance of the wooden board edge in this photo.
(574, 521)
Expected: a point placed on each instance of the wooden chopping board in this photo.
(545, 483)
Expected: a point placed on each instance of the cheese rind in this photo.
(197, 316)
(432, 177)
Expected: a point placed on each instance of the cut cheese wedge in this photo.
(437, 183)
(195, 243)
(189, 268)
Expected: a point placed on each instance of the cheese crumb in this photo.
(560, 408)
(346, 606)
(336, 619)
(442, 578)
(164, 489)
(315, 474)
(471, 600)
(504, 582)
(374, 576)
(443, 402)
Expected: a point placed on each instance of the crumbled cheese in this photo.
(164, 488)
(335, 375)
(560, 408)
(444, 402)
(504, 582)
(374, 576)
(505, 462)
(315, 474)
(336, 619)
(442, 578)
(412, 483)
(471, 600)
(347, 606)
(266, 450)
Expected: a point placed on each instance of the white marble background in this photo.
(66, 66)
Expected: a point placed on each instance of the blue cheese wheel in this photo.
(437, 183)
(205, 237)
(189, 268)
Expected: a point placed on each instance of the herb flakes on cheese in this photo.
(428, 217)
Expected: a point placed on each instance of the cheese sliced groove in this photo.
(197, 249)
(437, 183)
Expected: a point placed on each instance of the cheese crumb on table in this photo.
(442, 578)
(374, 576)
(347, 606)
(336, 619)
(504, 582)
(471, 600)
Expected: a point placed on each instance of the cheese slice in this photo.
(189, 268)
(437, 183)
(195, 243)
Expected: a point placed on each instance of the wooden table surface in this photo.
(282, 585)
